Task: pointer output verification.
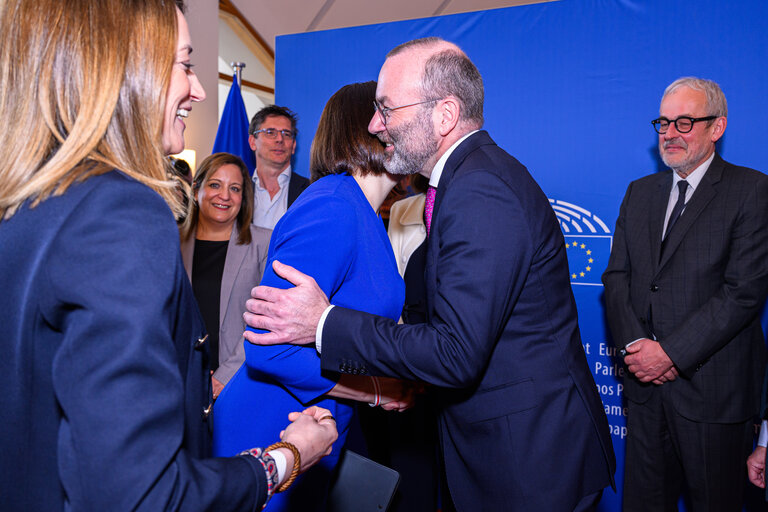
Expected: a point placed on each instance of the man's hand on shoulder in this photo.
(647, 360)
(290, 315)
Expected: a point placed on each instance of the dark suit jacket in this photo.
(296, 186)
(521, 424)
(703, 296)
(103, 383)
(243, 268)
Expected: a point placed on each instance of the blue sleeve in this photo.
(316, 236)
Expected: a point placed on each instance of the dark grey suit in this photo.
(701, 298)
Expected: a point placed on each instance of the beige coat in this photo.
(406, 228)
(243, 269)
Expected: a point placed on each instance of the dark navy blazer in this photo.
(103, 384)
(521, 424)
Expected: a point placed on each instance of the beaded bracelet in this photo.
(296, 463)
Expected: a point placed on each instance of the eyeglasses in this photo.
(385, 112)
(683, 124)
(271, 133)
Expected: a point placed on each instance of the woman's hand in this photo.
(398, 395)
(390, 394)
(313, 432)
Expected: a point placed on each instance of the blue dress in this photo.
(332, 234)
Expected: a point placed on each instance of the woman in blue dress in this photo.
(333, 233)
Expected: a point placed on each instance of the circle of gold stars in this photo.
(588, 252)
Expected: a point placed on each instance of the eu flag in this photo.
(232, 135)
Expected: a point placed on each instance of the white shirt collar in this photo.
(282, 178)
(437, 170)
(695, 176)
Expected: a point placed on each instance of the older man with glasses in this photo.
(272, 137)
(684, 288)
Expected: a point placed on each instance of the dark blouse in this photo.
(207, 270)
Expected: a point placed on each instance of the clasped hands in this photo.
(312, 432)
(647, 360)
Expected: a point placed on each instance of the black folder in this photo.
(362, 485)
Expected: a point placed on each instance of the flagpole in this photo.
(238, 67)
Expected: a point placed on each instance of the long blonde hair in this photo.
(82, 91)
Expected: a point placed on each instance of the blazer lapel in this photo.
(701, 197)
(235, 255)
(657, 212)
(187, 254)
(451, 165)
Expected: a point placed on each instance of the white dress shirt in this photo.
(268, 210)
(693, 179)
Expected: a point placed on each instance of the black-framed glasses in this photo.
(271, 133)
(385, 112)
(683, 124)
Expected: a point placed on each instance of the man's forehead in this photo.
(685, 97)
(399, 75)
(275, 119)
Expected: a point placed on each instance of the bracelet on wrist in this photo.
(296, 463)
(376, 392)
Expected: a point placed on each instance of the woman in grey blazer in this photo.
(224, 255)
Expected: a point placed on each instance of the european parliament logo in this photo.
(587, 242)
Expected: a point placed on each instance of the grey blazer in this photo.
(703, 296)
(243, 269)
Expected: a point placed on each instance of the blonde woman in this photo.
(103, 377)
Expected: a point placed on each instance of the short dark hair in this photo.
(269, 111)
(342, 143)
(210, 165)
(449, 73)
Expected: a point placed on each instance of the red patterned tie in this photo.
(429, 205)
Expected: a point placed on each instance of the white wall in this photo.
(204, 119)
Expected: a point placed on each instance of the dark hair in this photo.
(209, 166)
(342, 143)
(449, 72)
(272, 110)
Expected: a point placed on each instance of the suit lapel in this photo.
(235, 255)
(451, 165)
(187, 254)
(701, 197)
(657, 211)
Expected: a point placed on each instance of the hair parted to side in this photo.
(716, 104)
(449, 73)
(207, 168)
(272, 110)
(342, 143)
(82, 91)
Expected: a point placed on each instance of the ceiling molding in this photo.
(250, 37)
(247, 83)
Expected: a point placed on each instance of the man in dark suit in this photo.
(684, 288)
(521, 424)
(272, 137)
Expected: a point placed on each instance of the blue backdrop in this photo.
(571, 87)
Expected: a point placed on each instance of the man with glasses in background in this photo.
(684, 289)
(272, 137)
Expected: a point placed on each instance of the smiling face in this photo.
(273, 153)
(183, 89)
(221, 196)
(684, 152)
(409, 135)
